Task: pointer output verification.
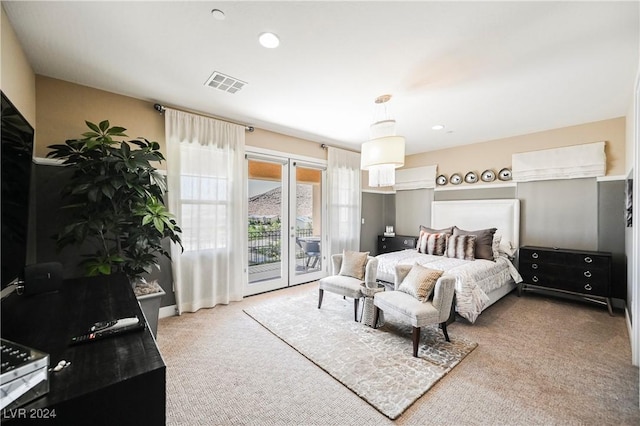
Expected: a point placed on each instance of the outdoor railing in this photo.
(264, 246)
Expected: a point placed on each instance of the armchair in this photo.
(413, 311)
(348, 286)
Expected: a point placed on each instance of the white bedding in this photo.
(474, 278)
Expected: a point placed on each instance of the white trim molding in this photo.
(168, 311)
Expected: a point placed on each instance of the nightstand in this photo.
(397, 243)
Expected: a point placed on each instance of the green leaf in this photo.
(116, 131)
(125, 149)
(92, 126)
(104, 125)
(93, 195)
(159, 224)
(108, 191)
(90, 135)
(104, 269)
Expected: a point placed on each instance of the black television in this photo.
(16, 162)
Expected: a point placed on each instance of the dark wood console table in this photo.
(117, 380)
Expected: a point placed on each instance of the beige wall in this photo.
(496, 154)
(283, 143)
(63, 107)
(17, 79)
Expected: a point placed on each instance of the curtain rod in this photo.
(325, 146)
(161, 109)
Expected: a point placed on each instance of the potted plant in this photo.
(115, 202)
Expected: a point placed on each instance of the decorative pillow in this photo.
(461, 246)
(484, 241)
(432, 243)
(420, 282)
(353, 264)
(428, 230)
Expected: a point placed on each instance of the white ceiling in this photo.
(486, 70)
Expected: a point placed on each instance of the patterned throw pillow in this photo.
(484, 241)
(432, 243)
(461, 246)
(353, 264)
(420, 282)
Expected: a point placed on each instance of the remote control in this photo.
(104, 329)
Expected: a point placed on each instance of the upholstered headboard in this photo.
(480, 214)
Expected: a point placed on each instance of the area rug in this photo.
(376, 364)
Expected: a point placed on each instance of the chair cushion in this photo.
(344, 286)
(420, 282)
(408, 307)
(353, 264)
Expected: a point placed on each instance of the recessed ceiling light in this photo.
(269, 40)
(438, 127)
(218, 14)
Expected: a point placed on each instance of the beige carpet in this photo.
(375, 364)
(539, 361)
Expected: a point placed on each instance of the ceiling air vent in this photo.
(224, 82)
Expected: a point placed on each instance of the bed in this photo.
(479, 282)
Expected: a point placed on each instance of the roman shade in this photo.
(571, 162)
(415, 178)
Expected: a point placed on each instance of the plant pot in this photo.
(150, 305)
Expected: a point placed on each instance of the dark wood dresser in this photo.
(397, 243)
(577, 272)
(119, 380)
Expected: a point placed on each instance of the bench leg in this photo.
(355, 308)
(320, 294)
(443, 326)
(416, 340)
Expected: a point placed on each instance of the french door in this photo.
(285, 222)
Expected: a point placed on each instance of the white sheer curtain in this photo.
(344, 200)
(205, 174)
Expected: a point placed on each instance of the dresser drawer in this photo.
(563, 257)
(572, 284)
(567, 271)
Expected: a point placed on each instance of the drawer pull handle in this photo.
(406, 242)
(588, 259)
(534, 255)
(384, 246)
(587, 274)
(534, 265)
(382, 239)
(588, 287)
(534, 279)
